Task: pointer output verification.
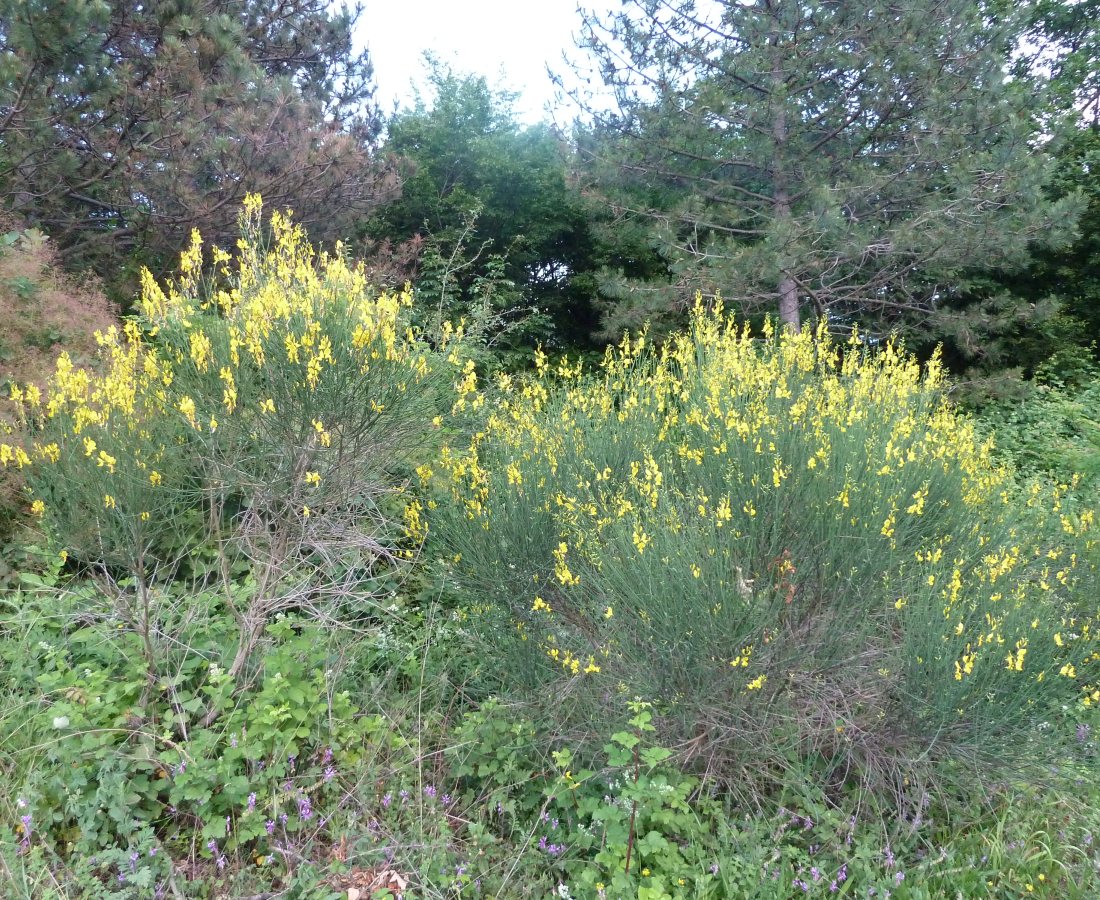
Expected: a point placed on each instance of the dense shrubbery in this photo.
(259, 419)
(781, 561)
(1054, 432)
(795, 548)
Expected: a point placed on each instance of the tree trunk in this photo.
(788, 304)
(781, 204)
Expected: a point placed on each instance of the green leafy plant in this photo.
(795, 547)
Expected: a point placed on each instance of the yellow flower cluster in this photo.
(281, 351)
(674, 462)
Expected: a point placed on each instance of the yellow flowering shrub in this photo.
(793, 544)
(260, 408)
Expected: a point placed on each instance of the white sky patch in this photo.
(510, 42)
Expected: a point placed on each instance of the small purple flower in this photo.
(152, 851)
(252, 802)
(430, 791)
(815, 873)
(890, 858)
(386, 801)
(283, 819)
(714, 868)
(270, 826)
(404, 795)
(899, 878)
(327, 758)
(807, 823)
(212, 846)
(305, 808)
(233, 742)
(446, 800)
(1083, 733)
(221, 861)
(330, 773)
(28, 825)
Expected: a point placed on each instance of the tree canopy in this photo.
(125, 124)
(491, 202)
(817, 156)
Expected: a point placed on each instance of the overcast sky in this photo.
(509, 41)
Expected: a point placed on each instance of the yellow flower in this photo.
(108, 501)
(38, 508)
(154, 478)
(608, 613)
(313, 478)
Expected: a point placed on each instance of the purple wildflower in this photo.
(252, 802)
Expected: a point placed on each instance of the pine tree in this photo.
(125, 124)
(832, 157)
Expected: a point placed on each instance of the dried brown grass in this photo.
(42, 312)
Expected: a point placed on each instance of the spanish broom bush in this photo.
(793, 546)
(246, 428)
